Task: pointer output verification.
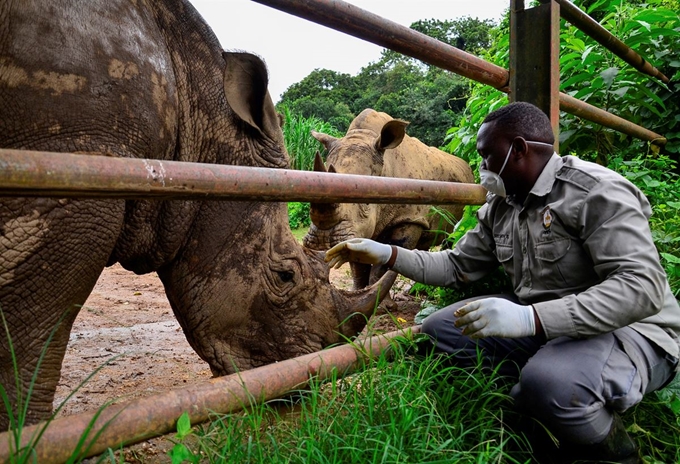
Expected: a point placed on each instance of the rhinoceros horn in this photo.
(319, 166)
(356, 306)
(323, 215)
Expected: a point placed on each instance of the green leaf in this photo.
(608, 75)
(621, 92)
(183, 426)
(180, 453)
(670, 258)
(576, 79)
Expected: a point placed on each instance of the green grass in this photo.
(299, 233)
(301, 146)
(401, 410)
(21, 447)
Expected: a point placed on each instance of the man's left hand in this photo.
(495, 317)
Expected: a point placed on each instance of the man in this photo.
(592, 325)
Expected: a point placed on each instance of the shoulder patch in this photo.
(577, 177)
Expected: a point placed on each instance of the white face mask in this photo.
(492, 181)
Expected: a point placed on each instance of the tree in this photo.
(323, 94)
(429, 98)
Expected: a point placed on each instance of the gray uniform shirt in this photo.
(579, 250)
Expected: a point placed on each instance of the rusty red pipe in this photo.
(32, 173)
(128, 423)
(585, 23)
(576, 107)
(352, 20)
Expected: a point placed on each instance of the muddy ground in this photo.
(126, 329)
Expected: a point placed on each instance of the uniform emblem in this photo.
(547, 217)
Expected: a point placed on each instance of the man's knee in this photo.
(540, 388)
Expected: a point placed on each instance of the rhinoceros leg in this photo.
(51, 254)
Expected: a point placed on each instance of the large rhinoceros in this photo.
(377, 145)
(149, 79)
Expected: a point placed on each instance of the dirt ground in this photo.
(126, 329)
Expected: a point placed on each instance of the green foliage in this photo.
(302, 147)
(428, 97)
(591, 73)
(323, 96)
(655, 425)
(297, 135)
(182, 452)
(298, 215)
(406, 409)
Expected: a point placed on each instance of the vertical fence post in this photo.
(535, 58)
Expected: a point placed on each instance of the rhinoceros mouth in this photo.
(323, 239)
(240, 353)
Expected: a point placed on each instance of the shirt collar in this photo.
(545, 181)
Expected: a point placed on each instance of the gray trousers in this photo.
(572, 386)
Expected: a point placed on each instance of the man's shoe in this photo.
(617, 447)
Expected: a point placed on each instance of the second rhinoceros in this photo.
(377, 145)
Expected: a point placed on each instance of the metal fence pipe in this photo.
(587, 24)
(138, 420)
(578, 108)
(352, 20)
(32, 173)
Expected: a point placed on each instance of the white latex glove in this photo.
(358, 250)
(495, 317)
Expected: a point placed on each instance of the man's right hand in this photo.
(358, 250)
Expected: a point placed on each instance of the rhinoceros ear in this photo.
(245, 87)
(325, 139)
(391, 135)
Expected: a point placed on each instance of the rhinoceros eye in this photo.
(283, 280)
(286, 276)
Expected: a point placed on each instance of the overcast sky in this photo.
(293, 47)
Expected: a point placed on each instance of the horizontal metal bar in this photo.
(592, 113)
(138, 420)
(33, 173)
(352, 20)
(587, 24)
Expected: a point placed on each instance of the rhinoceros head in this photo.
(361, 151)
(245, 292)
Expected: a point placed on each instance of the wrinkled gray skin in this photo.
(377, 145)
(148, 79)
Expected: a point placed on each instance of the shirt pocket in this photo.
(551, 263)
(504, 254)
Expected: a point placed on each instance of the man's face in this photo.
(493, 147)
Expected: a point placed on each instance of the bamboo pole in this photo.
(138, 420)
(33, 173)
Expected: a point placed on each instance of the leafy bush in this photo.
(302, 147)
(297, 135)
(658, 179)
(298, 215)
